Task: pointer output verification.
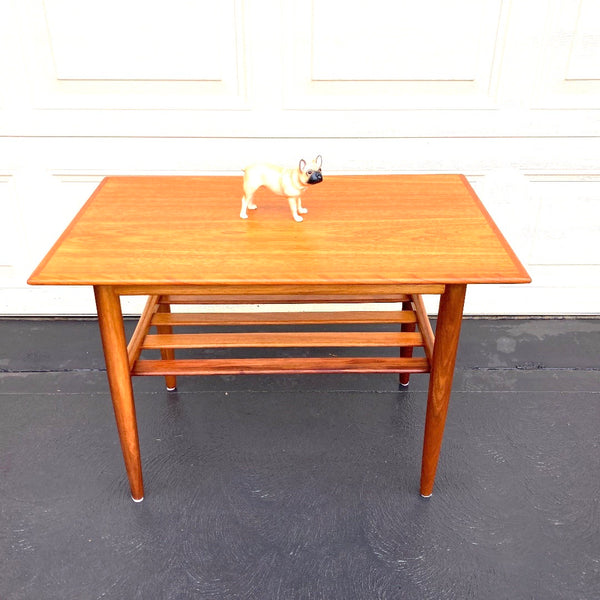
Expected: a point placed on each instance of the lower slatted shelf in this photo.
(401, 333)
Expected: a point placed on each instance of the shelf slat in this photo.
(284, 318)
(294, 339)
(280, 365)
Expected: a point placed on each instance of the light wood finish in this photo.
(377, 229)
(284, 318)
(440, 380)
(407, 351)
(110, 320)
(164, 310)
(365, 239)
(298, 339)
(424, 325)
(278, 338)
(134, 348)
(233, 366)
(277, 294)
(314, 298)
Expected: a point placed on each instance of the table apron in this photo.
(304, 292)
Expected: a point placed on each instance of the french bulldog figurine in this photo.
(282, 181)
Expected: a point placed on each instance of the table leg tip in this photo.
(426, 496)
(171, 389)
(137, 499)
(404, 385)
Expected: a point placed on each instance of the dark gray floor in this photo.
(303, 487)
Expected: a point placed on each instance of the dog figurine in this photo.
(283, 182)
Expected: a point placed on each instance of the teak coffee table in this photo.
(365, 239)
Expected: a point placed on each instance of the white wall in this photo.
(507, 92)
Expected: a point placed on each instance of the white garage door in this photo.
(507, 92)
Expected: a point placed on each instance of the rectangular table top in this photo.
(363, 229)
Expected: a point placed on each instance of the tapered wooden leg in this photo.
(440, 380)
(406, 351)
(167, 353)
(114, 344)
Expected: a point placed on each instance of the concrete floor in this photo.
(303, 487)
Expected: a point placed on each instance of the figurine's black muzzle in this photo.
(315, 177)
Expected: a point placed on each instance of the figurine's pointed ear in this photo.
(319, 161)
(302, 164)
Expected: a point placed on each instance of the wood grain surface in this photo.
(112, 332)
(376, 229)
